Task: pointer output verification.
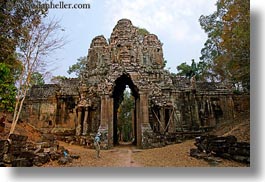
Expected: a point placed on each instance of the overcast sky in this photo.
(175, 22)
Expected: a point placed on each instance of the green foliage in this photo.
(211, 50)
(16, 15)
(78, 67)
(236, 42)
(125, 116)
(16, 18)
(226, 53)
(237, 92)
(189, 71)
(37, 79)
(164, 63)
(7, 88)
(184, 70)
(142, 31)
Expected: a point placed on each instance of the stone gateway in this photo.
(165, 104)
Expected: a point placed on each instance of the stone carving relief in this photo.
(138, 61)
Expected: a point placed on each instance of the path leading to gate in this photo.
(176, 155)
(124, 152)
(119, 156)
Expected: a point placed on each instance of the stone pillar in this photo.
(195, 114)
(106, 121)
(212, 121)
(144, 127)
(103, 112)
(227, 106)
(85, 122)
(133, 122)
(138, 132)
(79, 120)
(231, 107)
(144, 107)
(110, 121)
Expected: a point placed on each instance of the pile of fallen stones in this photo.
(86, 141)
(155, 140)
(224, 147)
(17, 152)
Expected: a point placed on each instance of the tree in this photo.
(78, 67)
(184, 70)
(213, 27)
(236, 42)
(7, 88)
(142, 31)
(34, 46)
(15, 17)
(37, 79)
(227, 50)
(125, 116)
(195, 69)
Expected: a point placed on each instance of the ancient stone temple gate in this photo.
(164, 102)
(128, 59)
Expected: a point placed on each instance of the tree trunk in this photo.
(17, 113)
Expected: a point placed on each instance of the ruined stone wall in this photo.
(39, 108)
(241, 103)
(164, 102)
(52, 105)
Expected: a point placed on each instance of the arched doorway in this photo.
(121, 83)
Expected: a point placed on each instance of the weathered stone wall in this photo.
(241, 103)
(52, 106)
(40, 106)
(164, 103)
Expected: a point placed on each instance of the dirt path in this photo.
(129, 156)
(125, 153)
(120, 156)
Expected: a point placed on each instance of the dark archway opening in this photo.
(118, 96)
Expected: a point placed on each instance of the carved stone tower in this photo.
(127, 59)
(164, 104)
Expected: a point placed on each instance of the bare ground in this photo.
(240, 128)
(170, 156)
(128, 156)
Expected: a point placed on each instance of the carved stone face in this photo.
(92, 59)
(99, 41)
(151, 40)
(124, 54)
(125, 46)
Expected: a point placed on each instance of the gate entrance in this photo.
(121, 124)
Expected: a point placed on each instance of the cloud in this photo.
(177, 19)
(87, 1)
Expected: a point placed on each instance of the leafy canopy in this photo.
(37, 79)
(125, 116)
(15, 20)
(78, 67)
(226, 52)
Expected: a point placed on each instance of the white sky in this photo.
(175, 22)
